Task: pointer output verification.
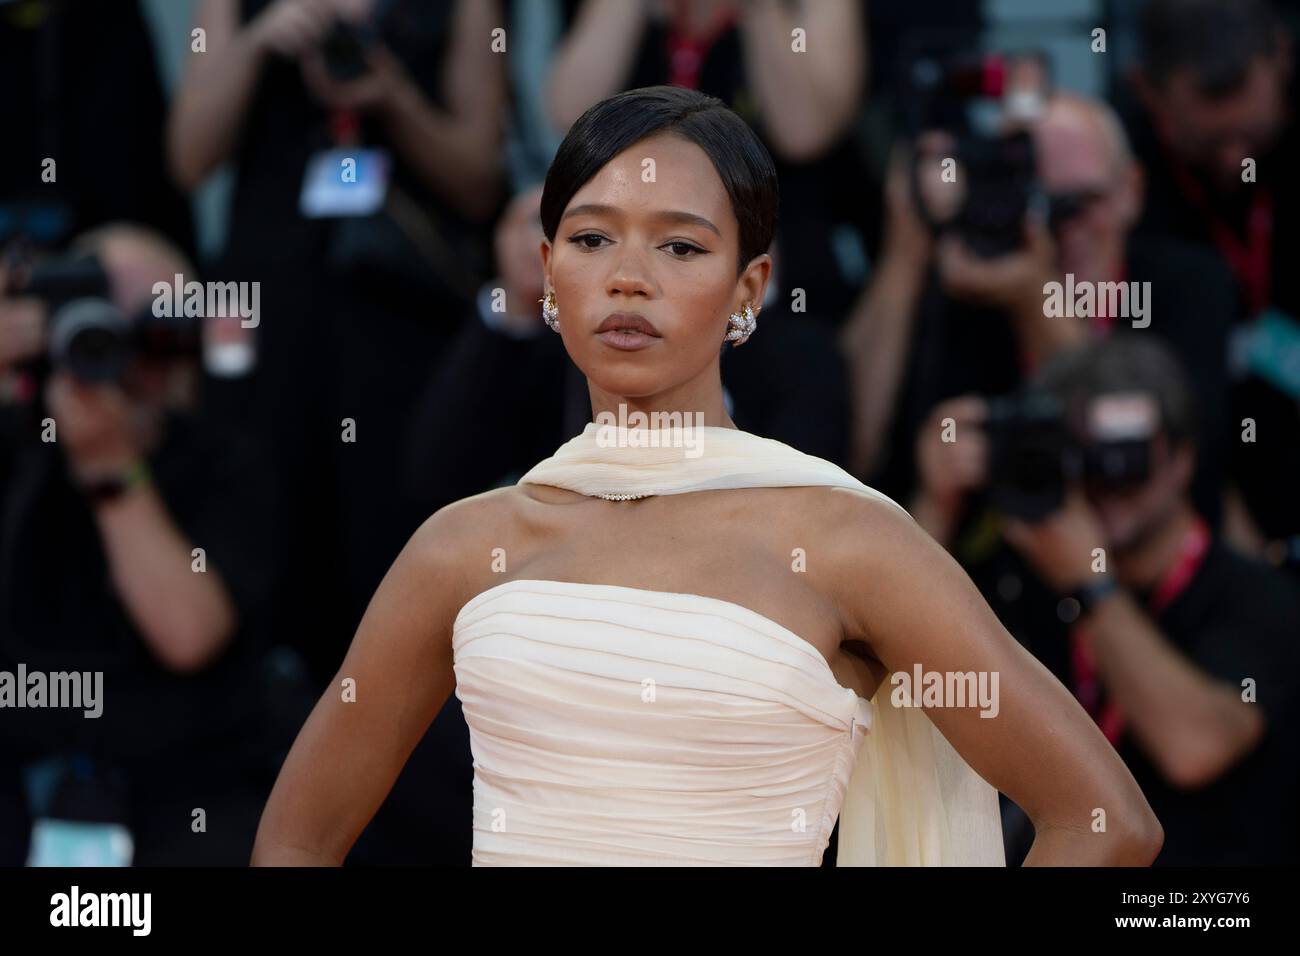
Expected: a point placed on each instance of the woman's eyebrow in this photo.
(666, 215)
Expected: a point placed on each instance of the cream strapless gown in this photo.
(613, 725)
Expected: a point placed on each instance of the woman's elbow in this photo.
(1140, 839)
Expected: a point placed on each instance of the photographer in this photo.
(957, 307)
(1215, 126)
(358, 298)
(132, 545)
(1181, 648)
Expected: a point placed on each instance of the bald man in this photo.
(940, 321)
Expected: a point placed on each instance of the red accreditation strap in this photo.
(1087, 686)
(686, 53)
(1251, 261)
(345, 127)
(1102, 321)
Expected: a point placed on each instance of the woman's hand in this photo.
(381, 87)
(93, 426)
(292, 27)
(952, 451)
(952, 459)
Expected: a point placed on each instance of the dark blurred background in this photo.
(269, 270)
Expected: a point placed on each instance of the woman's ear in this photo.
(753, 281)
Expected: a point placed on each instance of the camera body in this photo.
(996, 169)
(88, 335)
(344, 49)
(1039, 446)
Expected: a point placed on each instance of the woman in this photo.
(671, 654)
(356, 306)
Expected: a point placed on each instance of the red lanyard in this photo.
(345, 127)
(686, 53)
(1102, 320)
(1251, 261)
(1087, 686)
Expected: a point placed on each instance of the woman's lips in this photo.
(627, 331)
(627, 340)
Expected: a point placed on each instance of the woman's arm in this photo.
(595, 57)
(456, 152)
(807, 98)
(393, 682)
(204, 123)
(911, 603)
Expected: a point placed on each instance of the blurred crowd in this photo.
(1049, 323)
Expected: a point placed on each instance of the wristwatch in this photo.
(1092, 593)
(111, 487)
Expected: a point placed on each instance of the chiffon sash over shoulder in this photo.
(613, 725)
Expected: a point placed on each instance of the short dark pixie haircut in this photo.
(1217, 40)
(612, 125)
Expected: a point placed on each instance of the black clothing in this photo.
(1235, 619)
(1266, 470)
(355, 309)
(1238, 619)
(199, 737)
(82, 88)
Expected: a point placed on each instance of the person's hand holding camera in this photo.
(291, 27)
(1013, 281)
(382, 86)
(22, 323)
(94, 427)
(907, 238)
(952, 456)
(22, 330)
(1060, 547)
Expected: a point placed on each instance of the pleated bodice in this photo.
(615, 725)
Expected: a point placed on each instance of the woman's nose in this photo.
(628, 274)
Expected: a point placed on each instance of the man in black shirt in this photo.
(1182, 649)
(938, 321)
(1212, 123)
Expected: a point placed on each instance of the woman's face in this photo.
(651, 235)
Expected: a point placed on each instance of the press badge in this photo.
(77, 843)
(345, 182)
(1273, 352)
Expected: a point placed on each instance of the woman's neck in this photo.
(666, 409)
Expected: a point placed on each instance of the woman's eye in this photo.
(582, 239)
(684, 249)
(679, 249)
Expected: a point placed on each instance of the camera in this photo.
(969, 96)
(344, 50)
(88, 335)
(1039, 445)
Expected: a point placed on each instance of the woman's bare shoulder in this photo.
(855, 518)
(464, 543)
(863, 542)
